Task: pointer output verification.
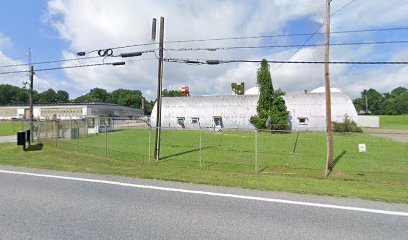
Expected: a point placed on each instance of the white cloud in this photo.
(11, 65)
(368, 14)
(91, 24)
(87, 25)
(16, 79)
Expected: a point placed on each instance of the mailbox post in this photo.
(21, 139)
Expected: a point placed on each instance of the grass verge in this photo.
(228, 160)
(394, 122)
(10, 128)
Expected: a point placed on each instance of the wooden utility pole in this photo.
(31, 102)
(159, 90)
(329, 160)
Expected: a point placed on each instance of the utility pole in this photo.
(159, 87)
(30, 95)
(31, 102)
(329, 160)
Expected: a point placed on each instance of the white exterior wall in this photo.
(313, 107)
(234, 110)
(368, 121)
(8, 112)
(237, 110)
(37, 112)
(20, 112)
(71, 111)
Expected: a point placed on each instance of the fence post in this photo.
(86, 126)
(150, 142)
(46, 130)
(79, 134)
(56, 133)
(201, 146)
(38, 130)
(256, 151)
(171, 143)
(296, 141)
(106, 140)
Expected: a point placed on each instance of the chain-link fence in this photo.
(11, 127)
(300, 153)
(107, 137)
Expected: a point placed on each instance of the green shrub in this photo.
(346, 126)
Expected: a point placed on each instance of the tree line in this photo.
(12, 95)
(390, 103)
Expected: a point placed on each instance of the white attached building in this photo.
(66, 111)
(307, 110)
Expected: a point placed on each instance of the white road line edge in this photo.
(321, 205)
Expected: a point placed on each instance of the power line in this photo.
(217, 39)
(348, 4)
(300, 47)
(308, 39)
(216, 62)
(66, 60)
(290, 35)
(75, 66)
(287, 46)
(120, 47)
(66, 67)
(46, 62)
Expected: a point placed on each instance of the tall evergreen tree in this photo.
(264, 82)
(271, 108)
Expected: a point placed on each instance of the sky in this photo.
(57, 29)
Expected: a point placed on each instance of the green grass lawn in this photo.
(229, 159)
(10, 128)
(394, 122)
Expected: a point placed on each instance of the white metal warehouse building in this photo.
(307, 110)
(66, 111)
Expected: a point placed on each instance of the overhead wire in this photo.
(289, 35)
(67, 67)
(66, 60)
(50, 61)
(56, 68)
(122, 47)
(311, 36)
(216, 39)
(215, 62)
(287, 46)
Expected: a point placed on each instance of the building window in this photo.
(91, 122)
(302, 121)
(195, 120)
(217, 121)
(180, 121)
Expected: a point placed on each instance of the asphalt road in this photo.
(40, 207)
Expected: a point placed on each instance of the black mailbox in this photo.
(21, 138)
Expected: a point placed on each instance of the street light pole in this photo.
(329, 160)
(159, 90)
